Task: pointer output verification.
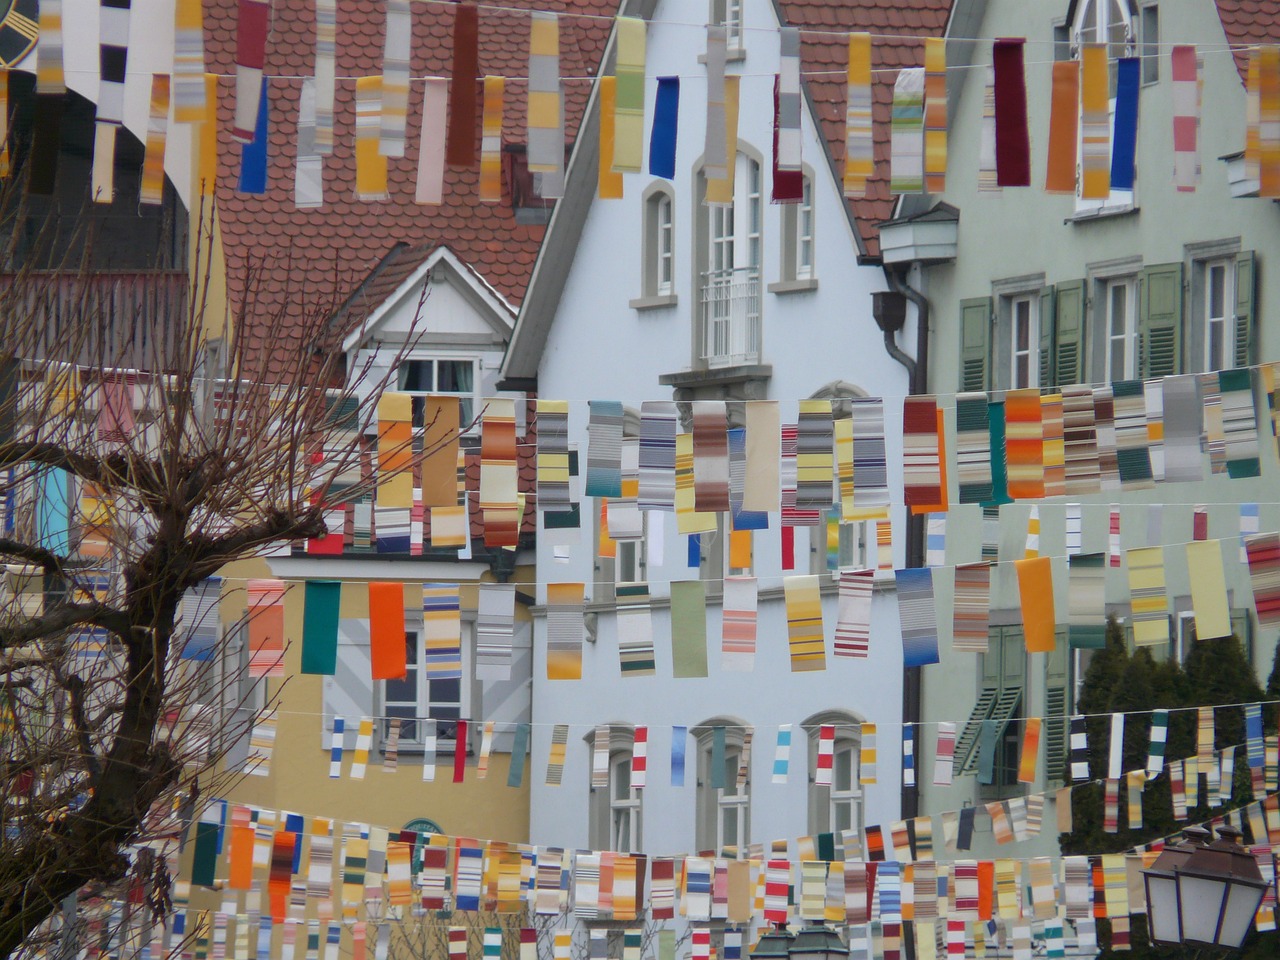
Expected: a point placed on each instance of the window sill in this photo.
(652, 303)
(1102, 213)
(730, 56)
(793, 286)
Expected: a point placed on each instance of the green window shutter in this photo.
(1057, 677)
(966, 754)
(1047, 337)
(1246, 288)
(1160, 321)
(1068, 332)
(975, 344)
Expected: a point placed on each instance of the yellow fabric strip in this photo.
(1095, 158)
(628, 147)
(371, 165)
(859, 160)
(207, 175)
(935, 114)
(608, 183)
(152, 189)
(720, 190)
(491, 140)
(1208, 589)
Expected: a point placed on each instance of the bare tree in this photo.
(142, 448)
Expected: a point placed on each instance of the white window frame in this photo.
(1128, 287)
(728, 269)
(853, 552)
(422, 706)
(730, 14)
(631, 557)
(624, 804)
(1226, 321)
(1026, 306)
(473, 396)
(714, 803)
(1093, 20)
(825, 803)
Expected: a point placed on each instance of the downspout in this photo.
(918, 381)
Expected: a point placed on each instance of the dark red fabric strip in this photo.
(1013, 146)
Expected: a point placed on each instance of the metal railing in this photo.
(731, 316)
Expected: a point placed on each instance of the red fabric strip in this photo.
(460, 144)
(1013, 146)
(788, 185)
(460, 752)
(251, 33)
(788, 548)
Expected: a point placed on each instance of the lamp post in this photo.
(812, 942)
(1204, 894)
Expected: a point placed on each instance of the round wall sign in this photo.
(19, 29)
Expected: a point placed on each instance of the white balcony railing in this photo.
(731, 317)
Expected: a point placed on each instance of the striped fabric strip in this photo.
(1079, 749)
(804, 623)
(1132, 443)
(782, 754)
(738, 625)
(916, 613)
(1204, 736)
(566, 629)
(972, 600)
(944, 754)
(1191, 781)
(988, 181)
(777, 886)
(845, 489)
(624, 521)
(1002, 829)
(308, 174)
(973, 448)
(1214, 436)
(1224, 776)
(859, 163)
(657, 455)
(1148, 601)
(371, 166)
(908, 756)
(555, 760)
(495, 624)
(640, 758)
(190, 104)
(793, 516)
(628, 141)
(815, 455)
(1113, 538)
(906, 132)
(1115, 748)
(113, 53)
(1024, 444)
(326, 49)
(1074, 521)
(1268, 59)
(266, 627)
(1253, 735)
(745, 520)
(262, 740)
(364, 743)
(662, 889)
(1086, 601)
(1239, 423)
(870, 469)
(935, 114)
(498, 471)
(335, 749)
(491, 140)
(1252, 119)
(151, 190)
(1153, 394)
(1270, 376)
(1249, 526)
(1095, 123)
(1033, 533)
(853, 616)
(867, 755)
(604, 449)
(442, 631)
(710, 456)
(251, 40)
(715, 155)
(1081, 441)
(391, 748)
(789, 100)
(921, 477)
(553, 456)
(635, 630)
(826, 755)
(395, 79)
(1185, 77)
(1183, 413)
(600, 757)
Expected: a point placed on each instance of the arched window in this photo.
(616, 807)
(727, 257)
(724, 784)
(1111, 22)
(798, 267)
(838, 807)
(658, 245)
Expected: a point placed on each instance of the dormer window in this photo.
(424, 377)
(1111, 22)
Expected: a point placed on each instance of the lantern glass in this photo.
(1162, 908)
(1242, 906)
(1202, 901)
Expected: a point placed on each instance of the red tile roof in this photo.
(1249, 22)
(311, 259)
(894, 26)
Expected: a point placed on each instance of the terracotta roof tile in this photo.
(312, 259)
(1246, 23)
(894, 26)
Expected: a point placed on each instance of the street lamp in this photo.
(1216, 888)
(814, 942)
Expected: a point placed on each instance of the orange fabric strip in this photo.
(1060, 173)
(1035, 586)
(386, 630)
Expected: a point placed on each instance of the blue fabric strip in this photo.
(662, 138)
(253, 156)
(1124, 139)
(678, 736)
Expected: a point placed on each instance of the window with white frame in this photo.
(835, 545)
(1219, 314)
(728, 13)
(1024, 316)
(416, 697)
(616, 808)
(448, 376)
(729, 260)
(724, 811)
(1120, 328)
(798, 236)
(658, 246)
(838, 807)
(1111, 22)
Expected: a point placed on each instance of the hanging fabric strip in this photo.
(635, 630)
(371, 166)
(266, 627)
(608, 183)
(1064, 113)
(715, 156)
(190, 104)
(1124, 141)
(815, 455)
(738, 625)
(553, 455)
(326, 49)
(429, 183)
(859, 156)
(251, 43)
(566, 628)
(113, 53)
(916, 614)
(971, 604)
(1079, 748)
(555, 759)
(1030, 750)
(908, 756)
(495, 625)
(711, 457)
(1148, 601)
(1268, 57)
(1115, 750)
(321, 603)
(921, 478)
(973, 448)
(629, 117)
(1086, 600)
(906, 136)
(51, 86)
(442, 631)
(789, 101)
(804, 623)
(546, 147)
(1208, 589)
(1264, 576)
(1133, 458)
(788, 185)
(1185, 77)
(853, 619)
(1095, 115)
(987, 179)
(491, 140)
(1024, 444)
(867, 755)
(364, 742)
(254, 155)
(604, 449)
(782, 754)
(662, 138)
(688, 628)
(395, 79)
(308, 176)
(1013, 147)
(1239, 423)
(1081, 441)
(1035, 590)
(935, 114)
(944, 754)
(460, 148)
(657, 455)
